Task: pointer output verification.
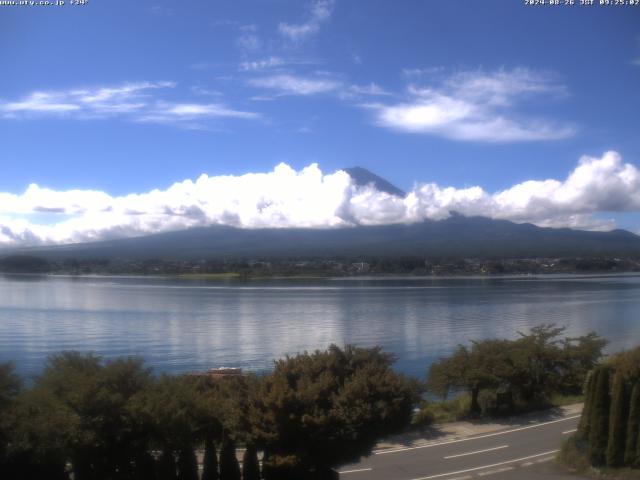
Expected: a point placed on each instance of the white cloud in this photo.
(319, 12)
(248, 39)
(191, 110)
(273, 62)
(371, 89)
(198, 90)
(286, 84)
(139, 102)
(476, 106)
(262, 64)
(308, 198)
(38, 102)
(419, 72)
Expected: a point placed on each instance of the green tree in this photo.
(107, 436)
(618, 417)
(580, 356)
(599, 430)
(167, 468)
(322, 409)
(633, 427)
(187, 464)
(530, 368)
(487, 365)
(229, 467)
(10, 386)
(446, 374)
(540, 361)
(145, 466)
(210, 460)
(250, 464)
(39, 431)
(585, 419)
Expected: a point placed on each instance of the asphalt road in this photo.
(524, 452)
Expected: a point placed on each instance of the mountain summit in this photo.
(362, 177)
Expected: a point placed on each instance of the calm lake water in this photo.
(180, 326)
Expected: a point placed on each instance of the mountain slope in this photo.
(457, 236)
(363, 177)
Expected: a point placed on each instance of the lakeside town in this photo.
(239, 268)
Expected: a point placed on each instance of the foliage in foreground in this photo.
(114, 420)
(608, 434)
(526, 372)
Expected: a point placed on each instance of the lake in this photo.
(183, 325)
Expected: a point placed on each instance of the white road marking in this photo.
(477, 451)
(355, 471)
(395, 450)
(497, 470)
(542, 460)
(484, 467)
(570, 431)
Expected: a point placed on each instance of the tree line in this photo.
(322, 266)
(500, 374)
(113, 419)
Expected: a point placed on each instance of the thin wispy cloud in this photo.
(162, 11)
(84, 101)
(420, 72)
(274, 63)
(204, 66)
(198, 90)
(476, 106)
(262, 64)
(319, 12)
(248, 41)
(140, 102)
(167, 113)
(286, 84)
(309, 198)
(371, 89)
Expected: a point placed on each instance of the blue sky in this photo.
(116, 98)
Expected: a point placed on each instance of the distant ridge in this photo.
(456, 236)
(363, 177)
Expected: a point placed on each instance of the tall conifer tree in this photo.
(229, 467)
(617, 422)
(210, 461)
(585, 419)
(599, 423)
(633, 427)
(250, 464)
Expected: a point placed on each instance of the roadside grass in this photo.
(444, 411)
(558, 400)
(457, 409)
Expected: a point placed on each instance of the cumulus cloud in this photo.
(310, 198)
(285, 84)
(139, 101)
(319, 12)
(476, 106)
